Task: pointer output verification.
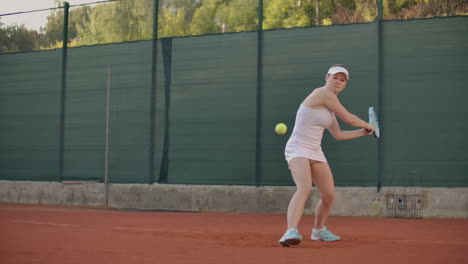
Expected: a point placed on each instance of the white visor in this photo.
(337, 69)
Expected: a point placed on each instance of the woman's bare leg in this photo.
(300, 170)
(323, 180)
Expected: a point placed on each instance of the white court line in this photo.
(427, 242)
(44, 223)
(137, 229)
(175, 231)
(156, 230)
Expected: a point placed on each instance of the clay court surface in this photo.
(52, 234)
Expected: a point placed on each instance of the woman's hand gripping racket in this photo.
(374, 121)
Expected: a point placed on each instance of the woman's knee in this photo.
(304, 190)
(328, 198)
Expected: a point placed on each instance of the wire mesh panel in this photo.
(238, 15)
(403, 10)
(102, 22)
(111, 22)
(188, 17)
(405, 205)
(305, 13)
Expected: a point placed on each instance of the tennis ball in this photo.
(281, 129)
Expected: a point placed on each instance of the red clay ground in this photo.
(49, 234)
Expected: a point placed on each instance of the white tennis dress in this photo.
(306, 137)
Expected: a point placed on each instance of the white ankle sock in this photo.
(316, 230)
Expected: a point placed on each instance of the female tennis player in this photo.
(305, 158)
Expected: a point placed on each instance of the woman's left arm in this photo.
(339, 134)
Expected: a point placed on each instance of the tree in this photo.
(132, 20)
(190, 6)
(367, 9)
(288, 13)
(117, 22)
(238, 15)
(52, 33)
(3, 38)
(172, 23)
(407, 9)
(53, 30)
(78, 17)
(17, 38)
(204, 18)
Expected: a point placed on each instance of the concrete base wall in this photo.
(350, 201)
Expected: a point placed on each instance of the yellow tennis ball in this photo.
(281, 129)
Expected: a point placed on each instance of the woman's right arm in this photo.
(330, 100)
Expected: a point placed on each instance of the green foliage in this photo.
(173, 23)
(238, 15)
(288, 13)
(17, 38)
(397, 6)
(3, 37)
(53, 30)
(408, 9)
(204, 19)
(116, 22)
(190, 6)
(131, 20)
(368, 9)
(78, 18)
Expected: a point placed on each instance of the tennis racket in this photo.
(374, 121)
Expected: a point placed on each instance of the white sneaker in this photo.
(291, 237)
(324, 235)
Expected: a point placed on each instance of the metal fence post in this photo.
(258, 159)
(380, 97)
(152, 128)
(66, 8)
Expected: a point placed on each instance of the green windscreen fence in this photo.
(203, 109)
(425, 102)
(29, 115)
(212, 109)
(125, 70)
(295, 63)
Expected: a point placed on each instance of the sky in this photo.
(33, 20)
